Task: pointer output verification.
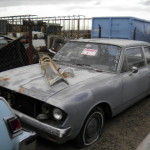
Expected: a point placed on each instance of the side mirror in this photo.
(134, 69)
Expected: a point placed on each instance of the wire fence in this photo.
(24, 39)
(66, 26)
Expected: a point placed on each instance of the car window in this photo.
(134, 57)
(147, 54)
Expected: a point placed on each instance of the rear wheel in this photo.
(91, 129)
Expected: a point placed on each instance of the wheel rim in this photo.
(93, 128)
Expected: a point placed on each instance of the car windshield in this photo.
(102, 57)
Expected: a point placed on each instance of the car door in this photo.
(135, 84)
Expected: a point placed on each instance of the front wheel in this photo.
(91, 129)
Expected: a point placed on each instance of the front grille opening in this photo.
(25, 104)
(29, 106)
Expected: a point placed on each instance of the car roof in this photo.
(117, 42)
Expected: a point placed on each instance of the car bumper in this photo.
(47, 131)
(28, 142)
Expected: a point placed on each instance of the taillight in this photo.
(14, 125)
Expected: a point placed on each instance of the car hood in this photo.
(30, 81)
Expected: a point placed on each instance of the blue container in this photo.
(121, 28)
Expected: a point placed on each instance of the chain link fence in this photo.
(24, 39)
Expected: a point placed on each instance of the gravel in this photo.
(123, 132)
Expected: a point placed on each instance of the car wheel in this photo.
(91, 129)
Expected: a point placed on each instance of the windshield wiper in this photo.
(82, 65)
(97, 70)
(89, 66)
(78, 64)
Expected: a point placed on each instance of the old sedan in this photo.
(93, 79)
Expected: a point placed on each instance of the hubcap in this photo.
(93, 128)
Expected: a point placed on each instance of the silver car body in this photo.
(114, 91)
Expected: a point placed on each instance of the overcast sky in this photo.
(89, 8)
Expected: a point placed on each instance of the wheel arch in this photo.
(106, 108)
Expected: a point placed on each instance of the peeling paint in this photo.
(21, 90)
(5, 79)
(4, 82)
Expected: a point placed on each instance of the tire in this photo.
(91, 129)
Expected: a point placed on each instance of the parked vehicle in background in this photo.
(13, 137)
(95, 79)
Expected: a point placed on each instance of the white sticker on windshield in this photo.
(90, 52)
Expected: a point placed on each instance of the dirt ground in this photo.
(123, 132)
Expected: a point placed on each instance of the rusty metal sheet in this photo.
(52, 71)
(17, 50)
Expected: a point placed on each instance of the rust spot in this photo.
(21, 90)
(5, 79)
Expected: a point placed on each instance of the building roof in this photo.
(117, 42)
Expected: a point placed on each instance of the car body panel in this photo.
(4, 111)
(9, 142)
(118, 42)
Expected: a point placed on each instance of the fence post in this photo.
(30, 28)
